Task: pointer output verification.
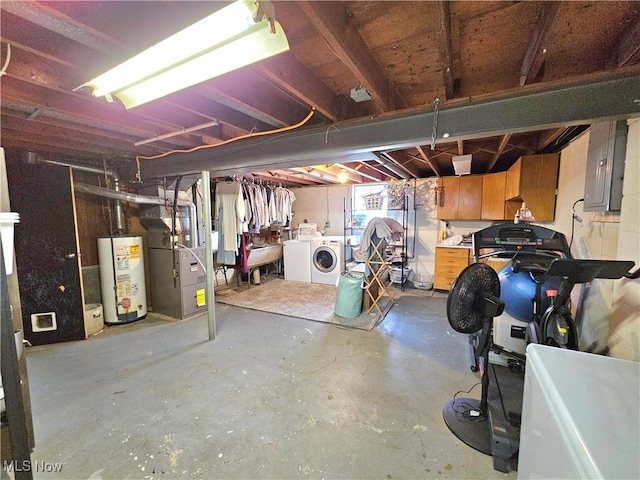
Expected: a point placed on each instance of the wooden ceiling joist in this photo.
(546, 140)
(294, 78)
(446, 50)
(536, 50)
(285, 177)
(629, 45)
(501, 146)
(331, 22)
(428, 161)
(360, 173)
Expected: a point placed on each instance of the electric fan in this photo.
(473, 301)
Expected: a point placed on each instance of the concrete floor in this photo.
(271, 397)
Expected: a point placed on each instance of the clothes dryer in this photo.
(297, 260)
(326, 260)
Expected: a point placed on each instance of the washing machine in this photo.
(326, 260)
(297, 260)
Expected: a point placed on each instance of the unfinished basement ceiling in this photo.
(405, 54)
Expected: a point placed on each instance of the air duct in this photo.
(140, 199)
(32, 157)
(389, 165)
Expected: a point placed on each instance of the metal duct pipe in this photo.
(393, 168)
(32, 157)
(141, 199)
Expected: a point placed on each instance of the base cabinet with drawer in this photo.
(450, 261)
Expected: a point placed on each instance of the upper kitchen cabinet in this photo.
(493, 195)
(459, 198)
(605, 167)
(533, 179)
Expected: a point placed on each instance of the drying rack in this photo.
(378, 267)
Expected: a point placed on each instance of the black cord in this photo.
(574, 217)
(463, 391)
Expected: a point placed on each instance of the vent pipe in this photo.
(32, 157)
(140, 199)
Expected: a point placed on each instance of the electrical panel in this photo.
(605, 166)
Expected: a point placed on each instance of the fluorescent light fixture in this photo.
(462, 164)
(226, 40)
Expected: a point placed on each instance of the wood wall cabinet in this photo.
(450, 261)
(533, 179)
(460, 198)
(447, 197)
(493, 196)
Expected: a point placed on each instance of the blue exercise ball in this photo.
(517, 291)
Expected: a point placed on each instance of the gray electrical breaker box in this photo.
(605, 166)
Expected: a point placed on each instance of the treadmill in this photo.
(534, 244)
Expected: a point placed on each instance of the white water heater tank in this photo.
(122, 284)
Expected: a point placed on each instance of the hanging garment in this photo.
(230, 215)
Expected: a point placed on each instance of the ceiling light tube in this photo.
(222, 42)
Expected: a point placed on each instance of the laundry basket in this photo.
(373, 201)
(399, 274)
(349, 296)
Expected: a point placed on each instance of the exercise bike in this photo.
(556, 326)
(544, 256)
(535, 284)
(522, 253)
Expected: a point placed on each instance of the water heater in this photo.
(122, 285)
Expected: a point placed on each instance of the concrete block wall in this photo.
(624, 327)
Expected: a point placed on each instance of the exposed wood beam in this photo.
(284, 177)
(432, 165)
(210, 140)
(316, 173)
(52, 20)
(460, 147)
(546, 140)
(186, 110)
(446, 50)
(331, 22)
(335, 170)
(501, 146)
(629, 44)
(21, 139)
(536, 50)
(293, 77)
(54, 73)
(83, 110)
(70, 137)
(360, 173)
(384, 174)
(80, 130)
(251, 103)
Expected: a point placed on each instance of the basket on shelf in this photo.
(373, 201)
(399, 274)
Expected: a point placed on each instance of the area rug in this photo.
(308, 301)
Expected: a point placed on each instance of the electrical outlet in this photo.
(327, 225)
